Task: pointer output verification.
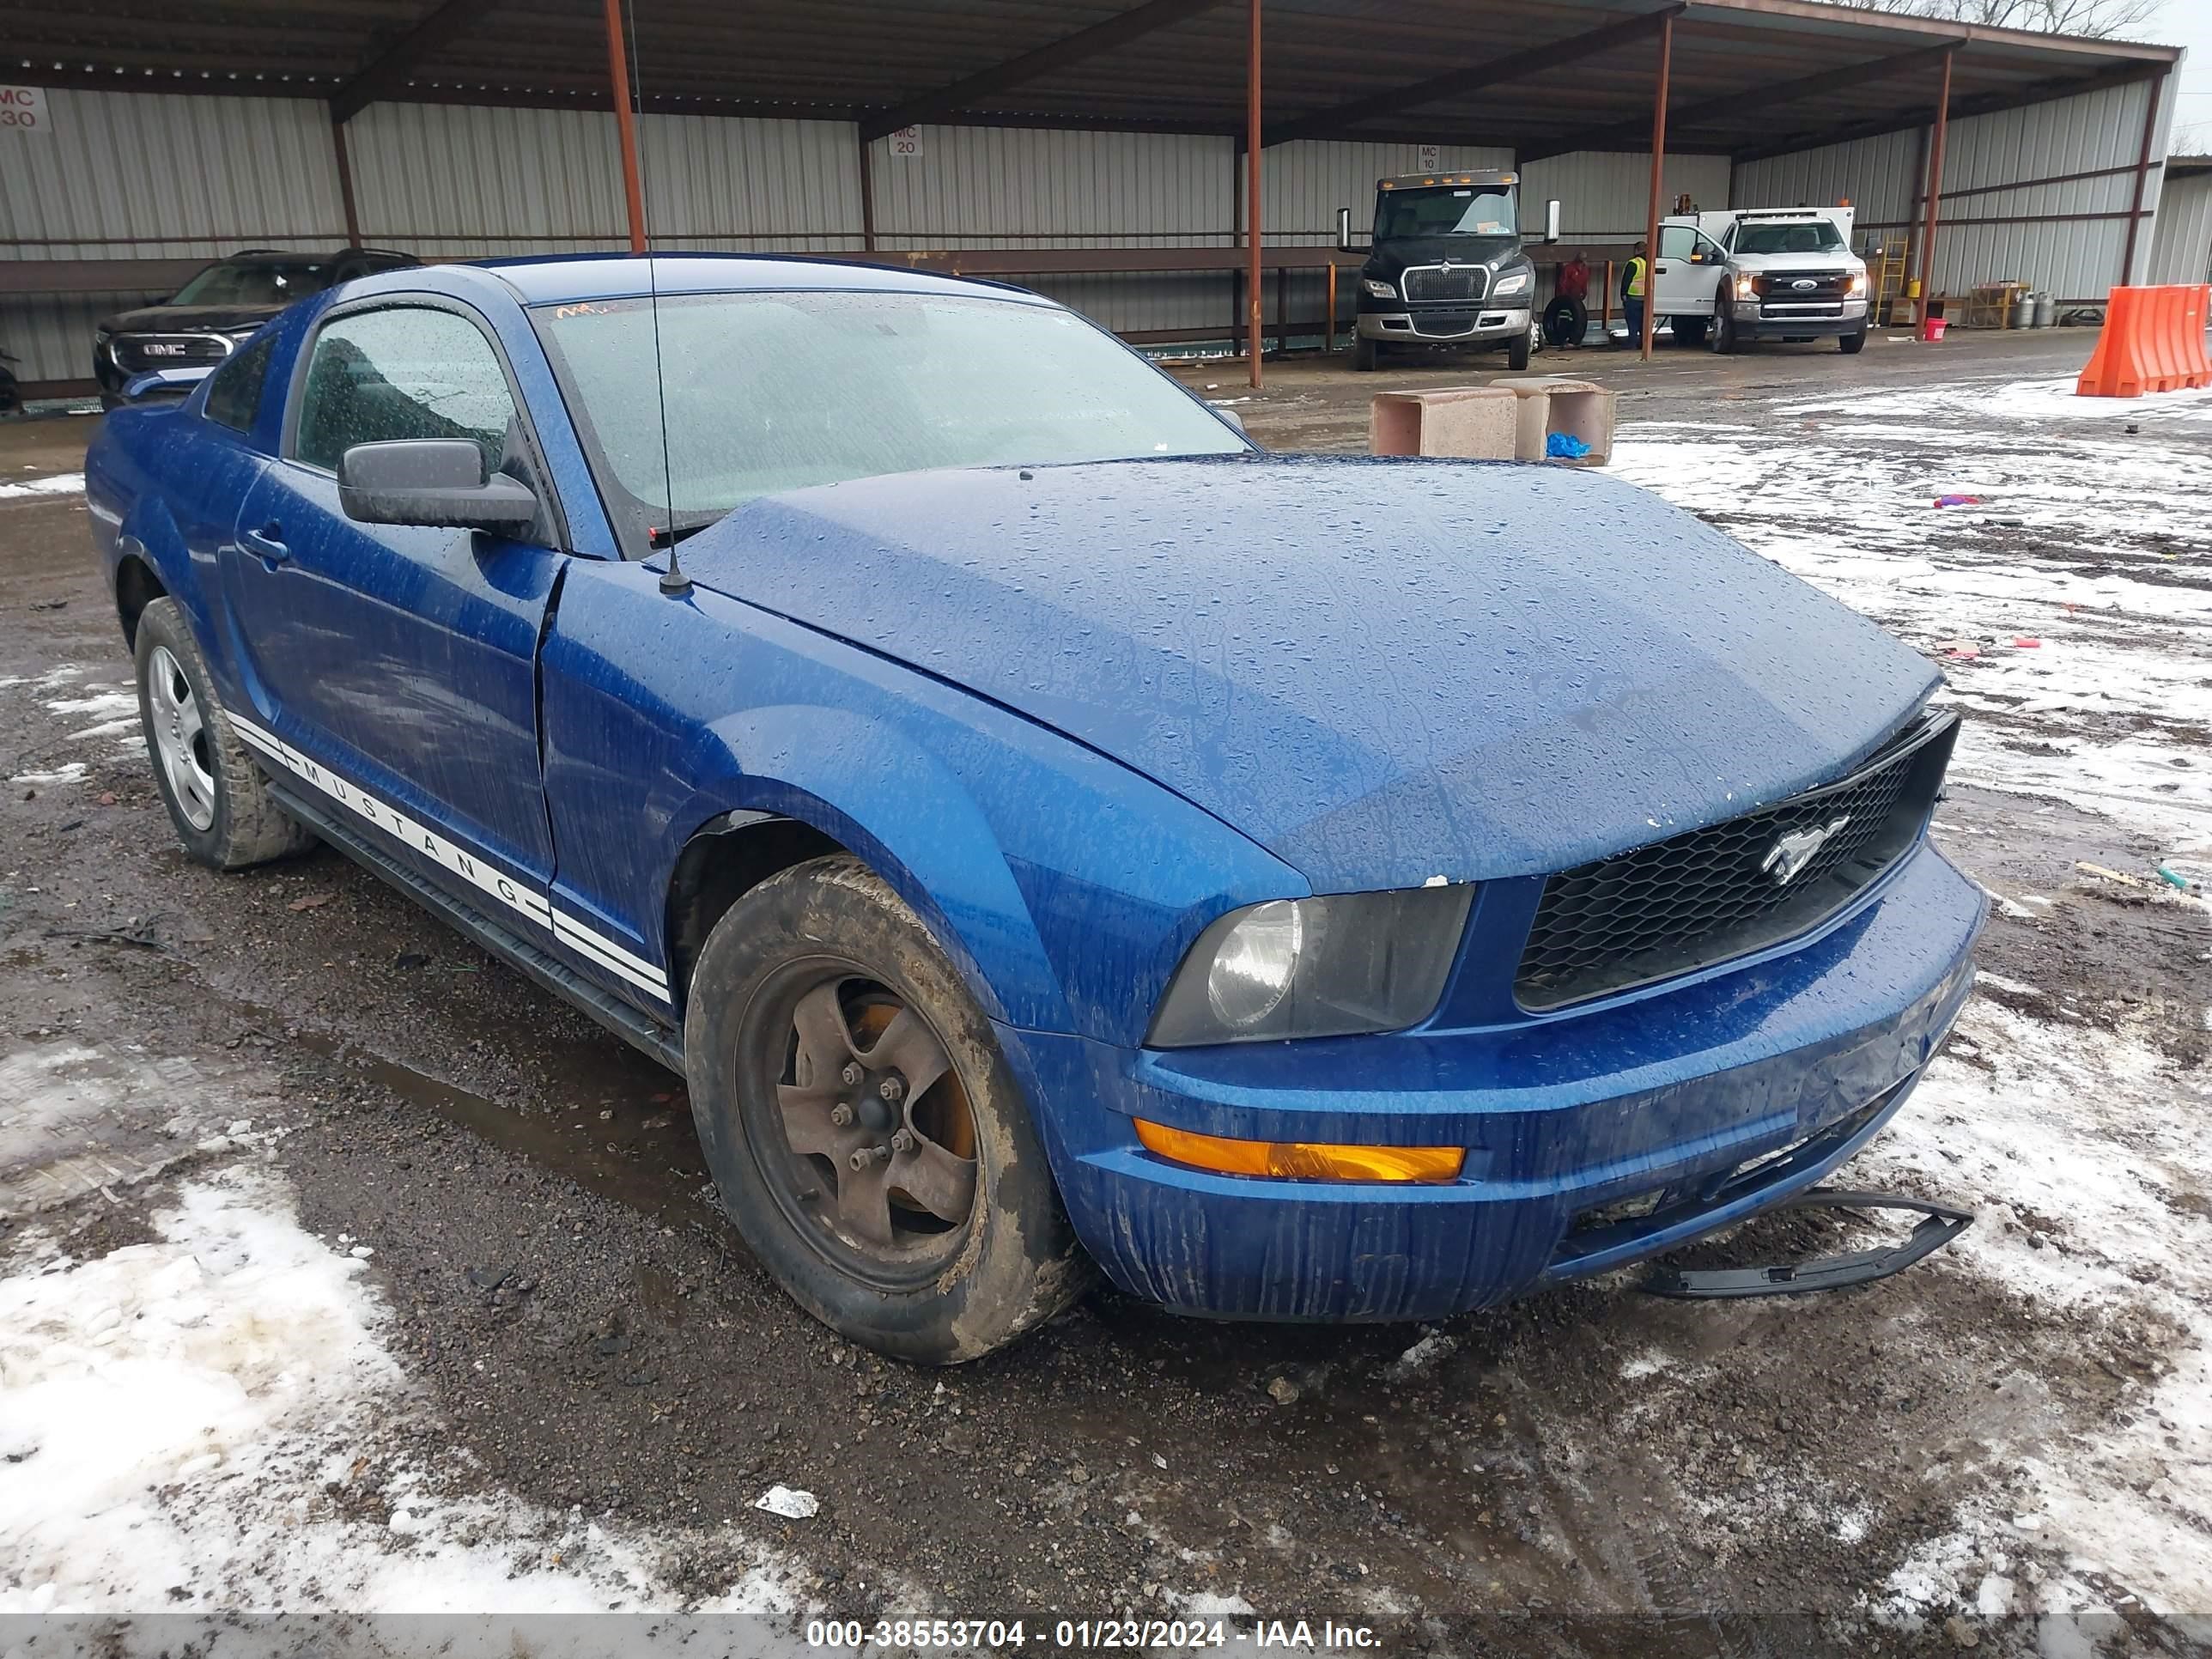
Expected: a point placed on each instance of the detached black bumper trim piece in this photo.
(1940, 1225)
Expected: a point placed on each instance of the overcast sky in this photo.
(2189, 23)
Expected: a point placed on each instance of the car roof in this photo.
(561, 279)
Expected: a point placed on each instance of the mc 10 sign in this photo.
(24, 109)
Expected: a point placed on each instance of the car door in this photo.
(1686, 274)
(404, 659)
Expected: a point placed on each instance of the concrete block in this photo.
(1553, 403)
(1471, 422)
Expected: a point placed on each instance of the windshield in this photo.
(770, 391)
(1479, 211)
(1805, 236)
(262, 282)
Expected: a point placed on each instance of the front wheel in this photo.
(1517, 355)
(865, 1132)
(1851, 344)
(1724, 339)
(1364, 354)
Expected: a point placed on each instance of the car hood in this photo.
(1382, 671)
(185, 319)
(1778, 264)
(1388, 258)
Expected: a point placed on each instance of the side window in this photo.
(402, 372)
(234, 394)
(1675, 241)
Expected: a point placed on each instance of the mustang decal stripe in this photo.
(472, 867)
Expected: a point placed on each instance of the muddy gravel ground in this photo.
(581, 1329)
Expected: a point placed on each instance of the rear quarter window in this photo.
(234, 394)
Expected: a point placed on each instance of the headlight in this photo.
(1516, 283)
(1747, 286)
(1858, 283)
(1314, 967)
(1379, 290)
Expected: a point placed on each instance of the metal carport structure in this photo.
(1745, 80)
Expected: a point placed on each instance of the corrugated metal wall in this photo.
(2075, 258)
(1604, 195)
(2182, 250)
(194, 176)
(154, 175)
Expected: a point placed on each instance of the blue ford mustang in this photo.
(1043, 830)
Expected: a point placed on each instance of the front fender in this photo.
(1063, 887)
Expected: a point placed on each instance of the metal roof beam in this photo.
(1618, 135)
(389, 72)
(1332, 122)
(1987, 103)
(1061, 54)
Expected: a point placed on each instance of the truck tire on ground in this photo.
(1689, 331)
(1851, 344)
(1363, 355)
(1517, 355)
(218, 800)
(864, 1131)
(1724, 337)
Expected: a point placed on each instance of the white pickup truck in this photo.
(1740, 275)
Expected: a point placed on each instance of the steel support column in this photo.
(345, 180)
(1935, 189)
(625, 124)
(1252, 223)
(2142, 173)
(868, 197)
(1658, 164)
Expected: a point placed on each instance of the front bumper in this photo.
(1767, 320)
(1484, 324)
(1594, 1138)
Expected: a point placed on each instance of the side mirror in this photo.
(440, 482)
(1552, 221)
(1344, 230)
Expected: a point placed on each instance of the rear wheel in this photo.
(866, 1134)
(217, 799)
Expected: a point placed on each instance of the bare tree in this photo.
(2097, 19)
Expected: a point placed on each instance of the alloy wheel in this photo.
(181, 737)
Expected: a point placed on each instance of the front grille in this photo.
(140, 352)
(1444, 284)
(1828, 287)
(1710, 895)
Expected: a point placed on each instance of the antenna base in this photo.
(673, 581)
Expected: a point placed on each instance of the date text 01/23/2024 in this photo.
(1072, 1635)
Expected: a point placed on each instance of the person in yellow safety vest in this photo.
(1633, 276)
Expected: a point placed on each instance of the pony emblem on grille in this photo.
(1786, 859)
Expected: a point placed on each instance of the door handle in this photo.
(265, 542)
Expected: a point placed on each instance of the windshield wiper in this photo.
(660, 536)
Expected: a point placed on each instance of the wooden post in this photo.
(625, 124)
(1935, 190)
(1253, 301)
(2143, 171)
(1658, 162)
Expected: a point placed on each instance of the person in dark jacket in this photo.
(1568, 315)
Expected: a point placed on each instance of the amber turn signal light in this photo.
(1302, 1160)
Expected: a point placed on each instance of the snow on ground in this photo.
(1843, 493)
(2082, 1151)
(2081, 1148)
(193, 1423)
(59, 484)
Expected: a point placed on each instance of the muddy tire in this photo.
(216, 795)
(1366, 355)
(865, 1132)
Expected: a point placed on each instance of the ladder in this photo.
(1886, 256)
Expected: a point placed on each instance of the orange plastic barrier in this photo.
(2153, 341)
